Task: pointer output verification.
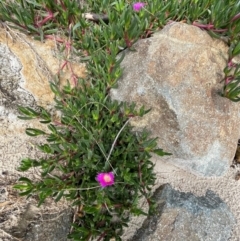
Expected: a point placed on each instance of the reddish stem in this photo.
(237, 16)
(68, 45)
(64, 64)
(111, 68)
(59, 40)
(209, 27)
(128, 43)
(205, 26)
(220, 30)
(49, 17)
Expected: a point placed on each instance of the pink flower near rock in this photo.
(105, 179)
(138, 6)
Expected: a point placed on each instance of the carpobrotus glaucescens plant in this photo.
(93, 158)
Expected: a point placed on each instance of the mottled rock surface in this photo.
(186, 217)
(22, 220)
(178, 73)
(28, 65)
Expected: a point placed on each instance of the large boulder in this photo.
(27, 65)
(186, 217)
(178, 73)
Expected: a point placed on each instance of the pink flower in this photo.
(137, 6)
(105, 179)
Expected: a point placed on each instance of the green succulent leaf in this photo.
(34, 132)
(160, 152)
(236, 50)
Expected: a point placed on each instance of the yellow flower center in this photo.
(107, 178)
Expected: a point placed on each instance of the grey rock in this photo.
(178, 73)
(11, 92)
(55, 227)
(34, 224)
(185, 217)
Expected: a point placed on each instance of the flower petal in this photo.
(105, 179)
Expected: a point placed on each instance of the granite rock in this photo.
(178, 73)
(185, 217)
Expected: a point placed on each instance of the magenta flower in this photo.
(137, 6)
(105, 179)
